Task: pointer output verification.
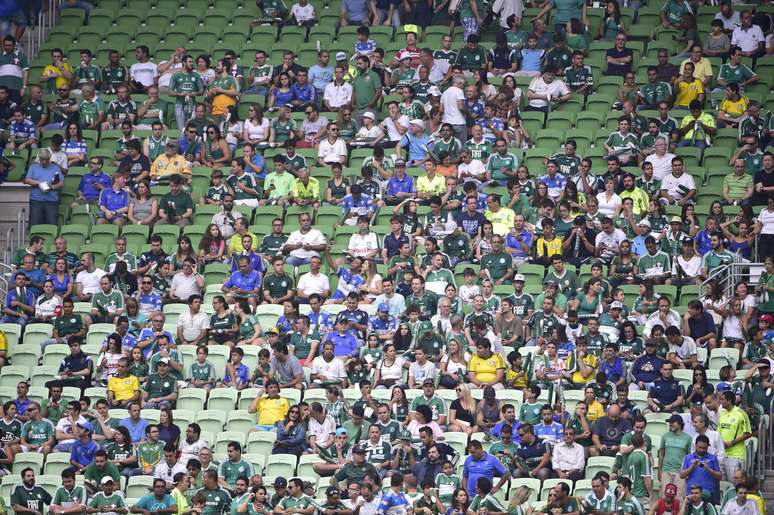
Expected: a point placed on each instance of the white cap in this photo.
(519, 277)
(369, 114)
(434, 91)
(644, 221)
(616, 305)
(418, 122)
(341, 56)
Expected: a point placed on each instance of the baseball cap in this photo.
(341, 56)
(404, 435)
(106, 480)
(616, 305)
(425, 327)
(551, 282)
(644, 222)
(675, 220)
(519, 277)
(331, 491)
(429, 381)
(341, 432)
(418, 122)
(358, 449)
(86, 426)
(764, 362)
(434, 91)
(369, 114)
(280, 482)
(273, 330)
(670, 489)
(767, 318)
(384, 307)
(342, 318)
(400, 162)
(164, 361)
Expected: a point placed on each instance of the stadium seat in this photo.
(722, 356)
(56, 462)
(531, 483)
(598, 463)
(549, 484)
(222, 399)
(283, 465)
(11, 375)
(211, 420)
(261, 442)
(222, 440)
(27, 459)
(138, 486)
(192, 399)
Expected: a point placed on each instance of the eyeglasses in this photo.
(308, 112)
(146, 282)
(334, 129)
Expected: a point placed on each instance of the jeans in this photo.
(381, 16)
(14, 320)
(43, 212)
(183, 113)
(297, 261)
(460, 132)
(728, 466)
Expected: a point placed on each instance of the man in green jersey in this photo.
(674, 447)
(68, 498)
(120, 255)
(159, 502)
(366, 86)
(600, 501)
(717, 257)
(37, 434)
(152, 110)
(694, 504)
(98, 470)
(234, 467)
(29, 498)
(638, 470)
(627, 503)
(90, 109)
(87, 73)
(107, 303)
(623, 144)
(655, 91)
(578, 76)
(277, 285)
(150, 452)
(272, 243)
(114, 74)
(502, 164)
(185, 86)
(107, 501)
(354, 471)
(296, 502)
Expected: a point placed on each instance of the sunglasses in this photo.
(146, 282)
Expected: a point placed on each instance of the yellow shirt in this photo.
(60, 80)
(595, 411)
(434, 186)
(547, 248)
(688, 91)
(502, 221)
(271, 411)
(164, 166)
(310, 191)
(701, 69)
(577, 377)
(123, 388)
(640, 198)
(732, 424)
(705, 118)
(735, 108)
(235, 243)
(180, 500)
(486, 369)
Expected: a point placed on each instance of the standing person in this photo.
(452, 105)
(734, 428)
(46, 179)
(480, 463)
(701, 470)
(14, 70)
(674, 447)
(185, 86)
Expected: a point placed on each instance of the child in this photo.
(470, 289)
(366, 401)
(404, 286)
(369, 132)
(237, 373)
(372, 352)
(262, 370)
(217, 189)
(357, 371)
(84, 449)
(530, 410)
(138, 366)
(197, 504)
(201, 373)
(515, 375)
(447, 482)
(446, 168)
(574, 327)
(364, 45)
(428, 503)
(303, 13)
(756, 348)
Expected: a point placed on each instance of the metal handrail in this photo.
(5, 276)
(21, 228)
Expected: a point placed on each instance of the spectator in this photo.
(607, 433)
(701, 471)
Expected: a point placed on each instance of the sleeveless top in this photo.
(743, 248)
(282, 98)
(142, 210)
(60, 287)
(156, 147)
(215, 154)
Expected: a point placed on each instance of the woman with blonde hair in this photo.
(462, 411)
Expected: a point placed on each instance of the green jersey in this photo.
(34, 111)
(622, 143)
(704, 508)
(261, 72)
(155, 112)
(414, 110)
(480, 151)
(37, 432)
(248, 181)
(95, 475)
(185, 82)
(87, 74)
(557, 58)
(568, 165)
(522, 304)
(568, 282)
(205, 371)
(155, 147)
(377, 453)
(32, 498)
(294, 503)
(749, 126)
(675, 9)
(435, 403)
(637, 469)
(654, 265)
(576, 78)
(215, 501)
(128, 258)
(70, 499)
(712, 259)
(226, 82)
(471, 58)
(421, 91)
(446, 486)
(10, 430)
(231, 471)
(653, 93)
(176, 205)
(499, 164)
(365, 87)
(529, 413)
(272, 244)
(449, 56)
(158, 386)
(453, 147)
(676, 447)
(631, 507)
(89, 111)
(497, 263)
(100, 500)
(489, 502)
(543, 324)
(427, 303)
(351, 473)
(606, 504)
(302, 344)
(277, 285)
(114, 76)
(52, 412)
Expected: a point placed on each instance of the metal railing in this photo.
(35, 36)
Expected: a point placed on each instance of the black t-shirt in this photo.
(136, 166)
(461, 413)
(619, 69)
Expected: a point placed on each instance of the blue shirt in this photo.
(379, 326)
(114, 200)
(38, 173)
(60, 287)
(485, 467)
(700, 476)
(150, 503)
(532, 60)
(137, 432)
(322, 322)
(242, 372)
(321, 76)
(393, 502)
(72, 147)
(256, 263)
(260, 162)
(343, 344)
(703, 242)
(23, 131)
(638, 246)
(247, 282)
(357, 10)
(150, 302)
(549, 433)
(348, 282)
(305, 94)
(555, 184)
(21, 406)
(613, 371)
(362, 205)
(513, 242)
(666, 392)
(88, 183)
(153, 347)
(395, 185)
(646, 368)
(392, 243)
(83, 453)
(416, 146)
(365, 47)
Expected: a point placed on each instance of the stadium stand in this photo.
(378, 257)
